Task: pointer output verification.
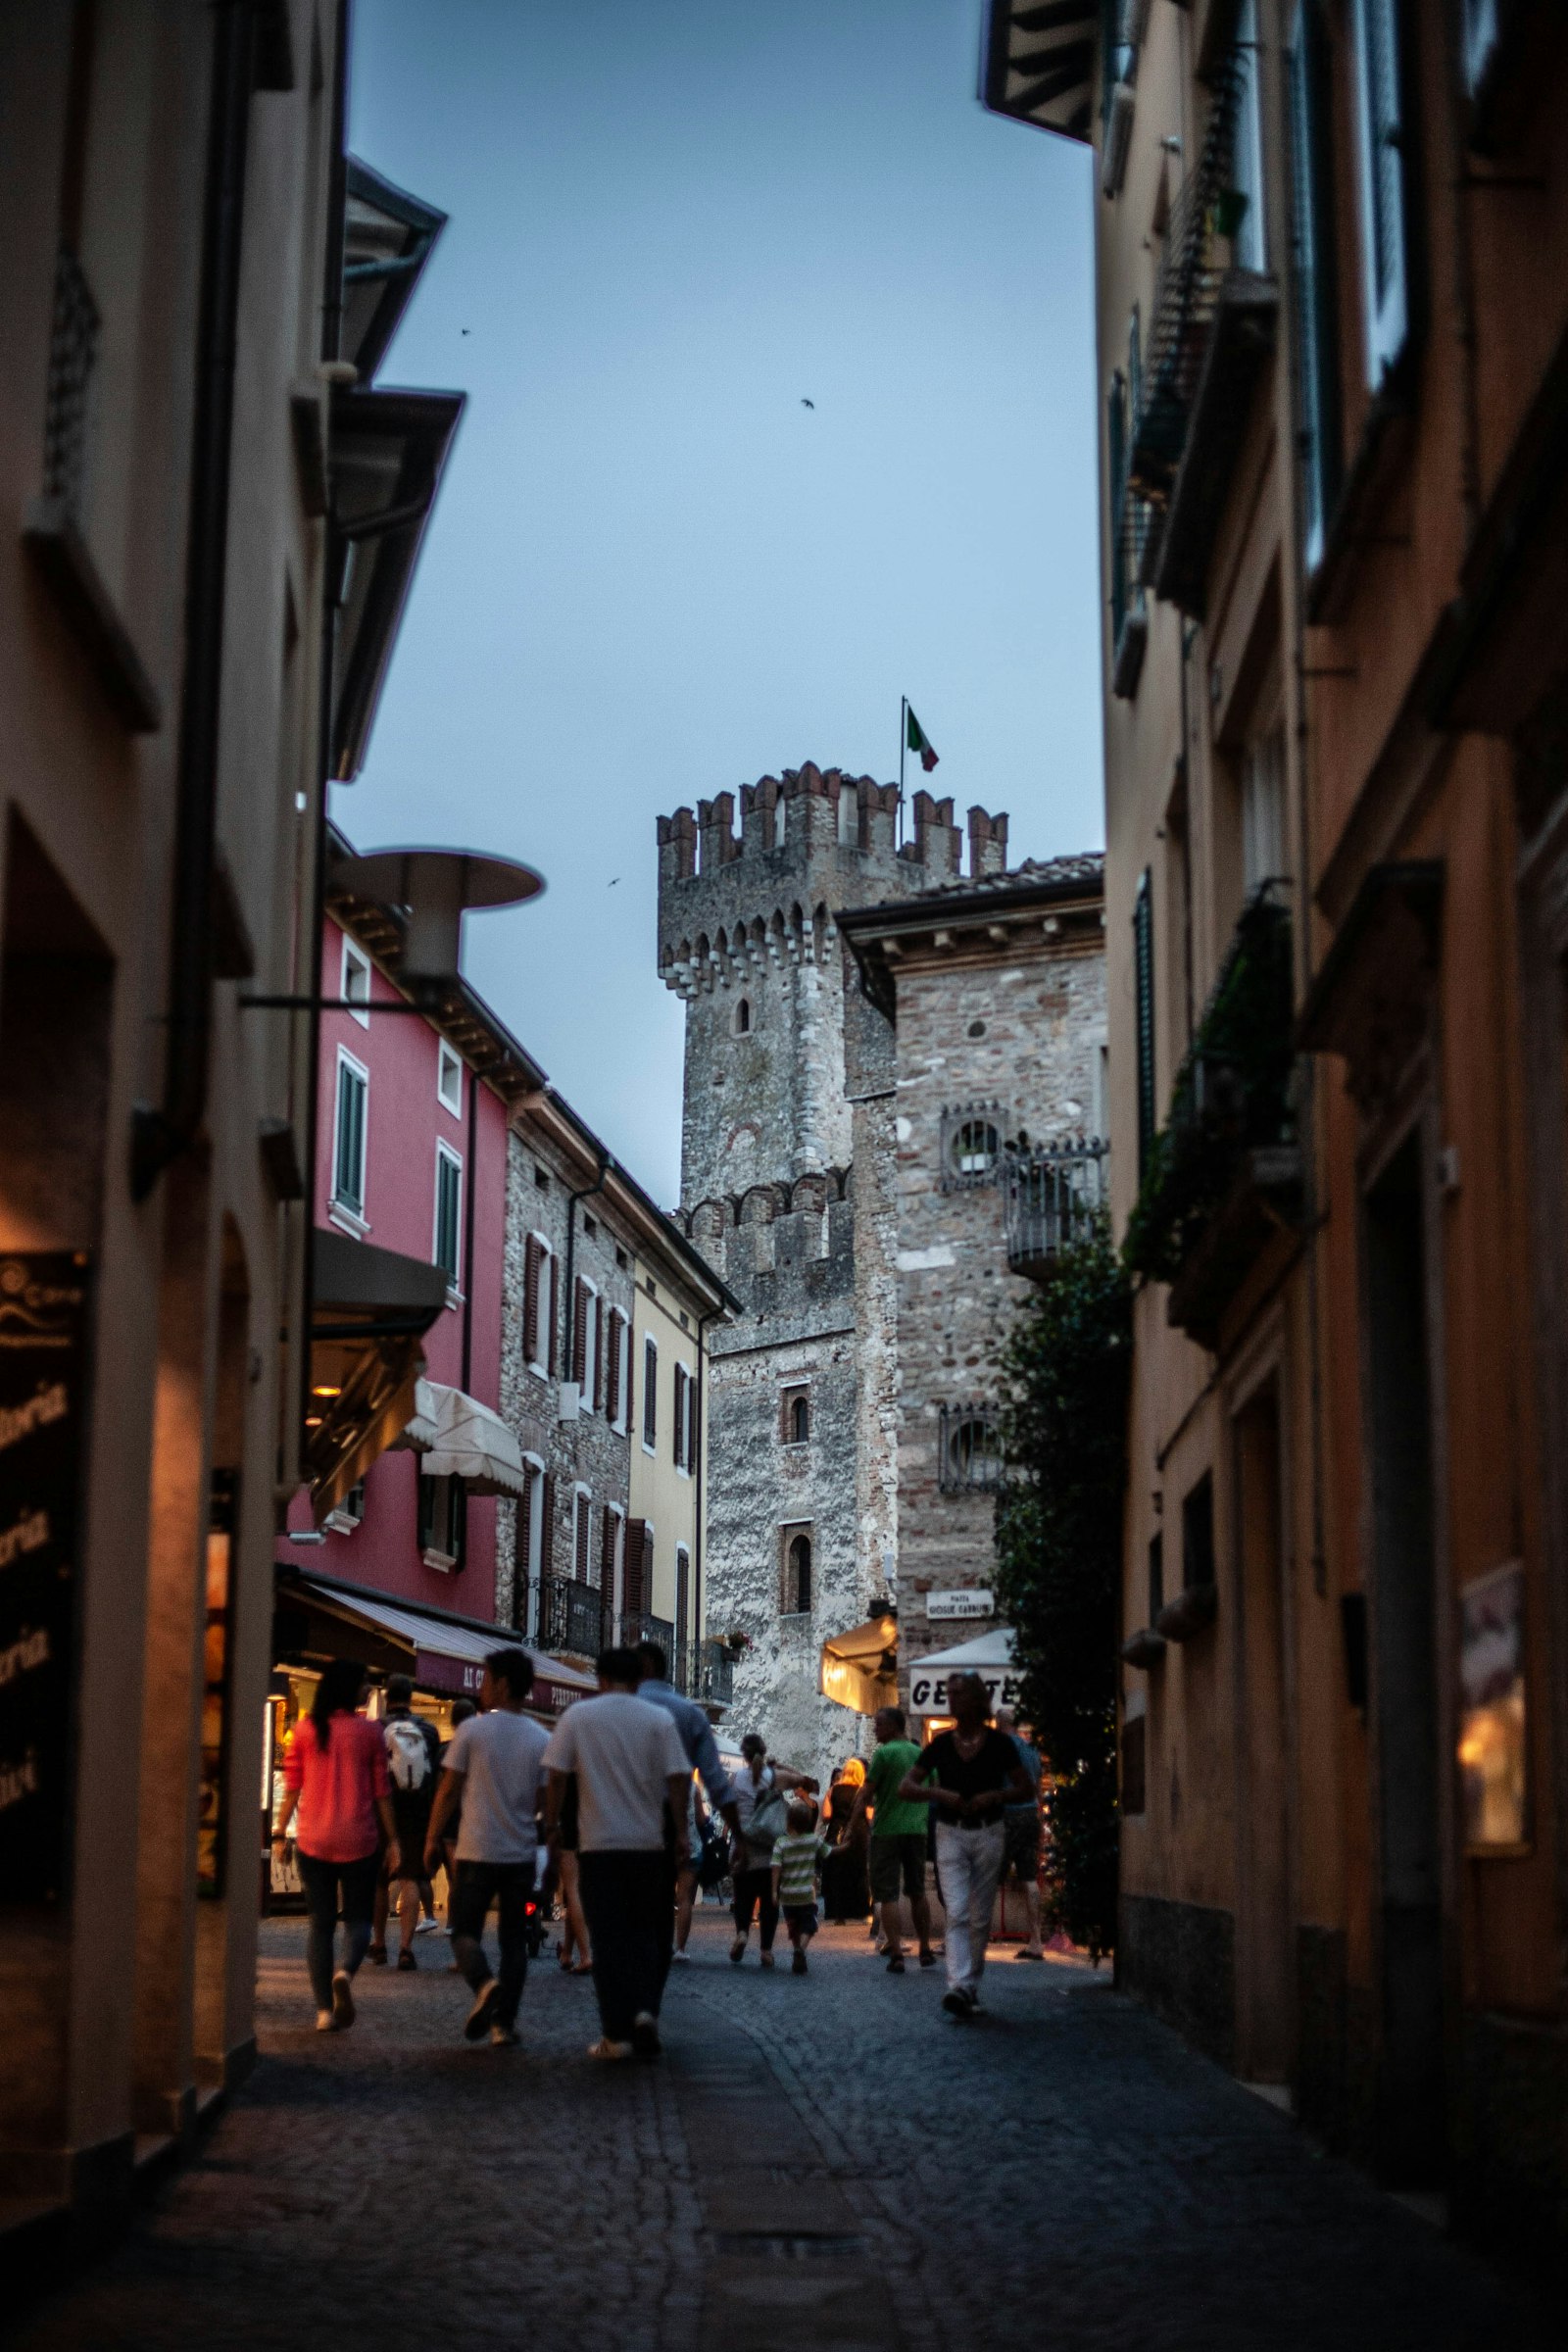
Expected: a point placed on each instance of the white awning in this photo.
(418, 1433)
(989, 1655)
(469, 1442)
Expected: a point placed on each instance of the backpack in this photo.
(407, 1753)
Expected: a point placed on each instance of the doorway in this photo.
(1411, 2122)
(1265, 1956)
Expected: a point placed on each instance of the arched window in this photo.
(798, 1580)
(970, 1449)
(743, 1017)
(800, 1421)
(973, 1148)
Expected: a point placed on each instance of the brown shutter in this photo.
(523, 1551)
(613, 1368)
(678, 1419)
(581, 1536)
(530, 1300)
(693, 1424)
(633, 1589)
(649, 1393)
(547, 1528)
(606, 1557)
(555, 1314)
(599, 1355)
(579, 1330)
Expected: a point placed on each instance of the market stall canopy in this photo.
(989, 1655)
(468, 1441)
(369, 1310)
(859, 1668)
(449, 1652)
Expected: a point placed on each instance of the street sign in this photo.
(971, 1601)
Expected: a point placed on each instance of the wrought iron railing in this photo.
(1054, 1196)
(569, 1616)
(970, 1456)
(73, 357)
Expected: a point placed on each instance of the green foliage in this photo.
(1059, 1557)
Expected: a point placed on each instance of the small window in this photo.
(348, 1151)
(797, 1417)
(590, 1226)
(448, 1079)
(448, 1252)
(971, 1147)
(969, 1450)
(356, 988)
(443, 1523)
(743, 1017)
(650, 1394)
(797, 1574)
(541, 1179)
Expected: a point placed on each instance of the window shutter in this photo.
(1381, 134)
(577, 1359)
(1143, 980)
(554, 1315)
(678, 1419)
(581, 1537)
(1317, 342)
(530, 1300)
(632, 1581)
(425, 1512)
(547, 1525)
(683, 1567)
(612, 1367)
(606, 1555)
(523, 1553)
(599, 1355)
(649, 1394)
(693, 1431)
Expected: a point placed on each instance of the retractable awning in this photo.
(449, 1653)
(860, 1667)
(369, 1310)
(467, 1441)
(989, 1655)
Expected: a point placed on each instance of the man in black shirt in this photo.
(968, 1774)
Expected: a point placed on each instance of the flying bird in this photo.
(467, 330)
(612, 884)
(807, 404)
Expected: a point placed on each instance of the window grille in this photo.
(969, 1450)
(971, 1145)
(1054, 1194)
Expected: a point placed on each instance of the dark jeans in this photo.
(322, 1882)
(507, 1885)
(753, 1891)
(630, 1901)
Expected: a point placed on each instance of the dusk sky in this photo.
(653, 574)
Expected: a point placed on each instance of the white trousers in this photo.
(968, 1864)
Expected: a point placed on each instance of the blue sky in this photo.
(653, 574)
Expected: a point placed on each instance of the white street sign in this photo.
(972, 1602)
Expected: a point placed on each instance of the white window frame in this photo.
(445, 1151)
(447, 1063)
(538, 1363)
(343, 1212)
(683, 1467)
(1386, 317)
(355, 966)
(649, 1349)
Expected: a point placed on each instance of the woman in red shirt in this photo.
(334, 1771)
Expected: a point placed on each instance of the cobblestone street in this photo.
(788, 2178)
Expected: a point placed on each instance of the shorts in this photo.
(800, 1919)
(1020, 1844)
(412, 1830)
(895, 1860)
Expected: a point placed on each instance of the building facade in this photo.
(1331, 328)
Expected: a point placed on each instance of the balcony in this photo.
(1211, 332)
(1224, 1174)
(708, 1670)
(570, 1617)
(1054, 1198)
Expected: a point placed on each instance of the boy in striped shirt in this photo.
(796, 1859)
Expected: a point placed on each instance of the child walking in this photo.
(798, 1856)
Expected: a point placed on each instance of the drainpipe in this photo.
(160, 1134)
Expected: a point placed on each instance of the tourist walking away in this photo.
(846, 1892)
(494, 1767)
(629, 1765)
(761, 1819)
(703, 1756)
(798, 1856)
(897, 1838)
(464, 1711)
(1020, 1841)
(967, 1774)
(335, 1777)
(413, 1763)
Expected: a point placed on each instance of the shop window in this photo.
(443, 1523)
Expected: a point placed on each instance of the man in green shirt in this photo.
(898, 1837)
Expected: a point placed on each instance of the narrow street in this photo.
(815, 2166)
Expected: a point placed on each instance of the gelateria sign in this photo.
(989, 1655)
(43, 1347)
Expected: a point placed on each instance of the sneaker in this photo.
(375, 1953)
(957, 2003)
(430, 1926)
(478, 2017)
(342, 2001)
(798, 1965)
(680, 1959)
(608, 2049)
(645, 2036)
(406, 1964)
(503, 2037)
(1029, 1953)
(896, 1965)
(928, 1959)
(737, 1951)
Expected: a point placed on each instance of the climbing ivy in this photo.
(1064, 1373)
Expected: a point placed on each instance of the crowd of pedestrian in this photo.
(624, 1812)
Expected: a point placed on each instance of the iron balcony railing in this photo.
(569, 1616)
(1055, 1197)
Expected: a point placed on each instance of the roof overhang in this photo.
(387, 237)
(369, 1310)
(1038, 64)
(982, 925)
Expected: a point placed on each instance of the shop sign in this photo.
(928, 1691)
(43, 1403)
(434, 1671)
(972, 1602)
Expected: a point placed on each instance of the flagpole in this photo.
(903, 731)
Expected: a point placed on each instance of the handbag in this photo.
(769, 1820)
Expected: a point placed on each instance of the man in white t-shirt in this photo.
(494, 1766)
(633, 1782)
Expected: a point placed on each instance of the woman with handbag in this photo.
(762, 1819)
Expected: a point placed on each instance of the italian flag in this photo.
(919, 741)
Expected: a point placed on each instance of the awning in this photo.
(468, 1441)
(369, 1309)
(448, 1654)
(860, 1667)
(1039, 63)
(989, 1655)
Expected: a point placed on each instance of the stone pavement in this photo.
(827, 2166)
